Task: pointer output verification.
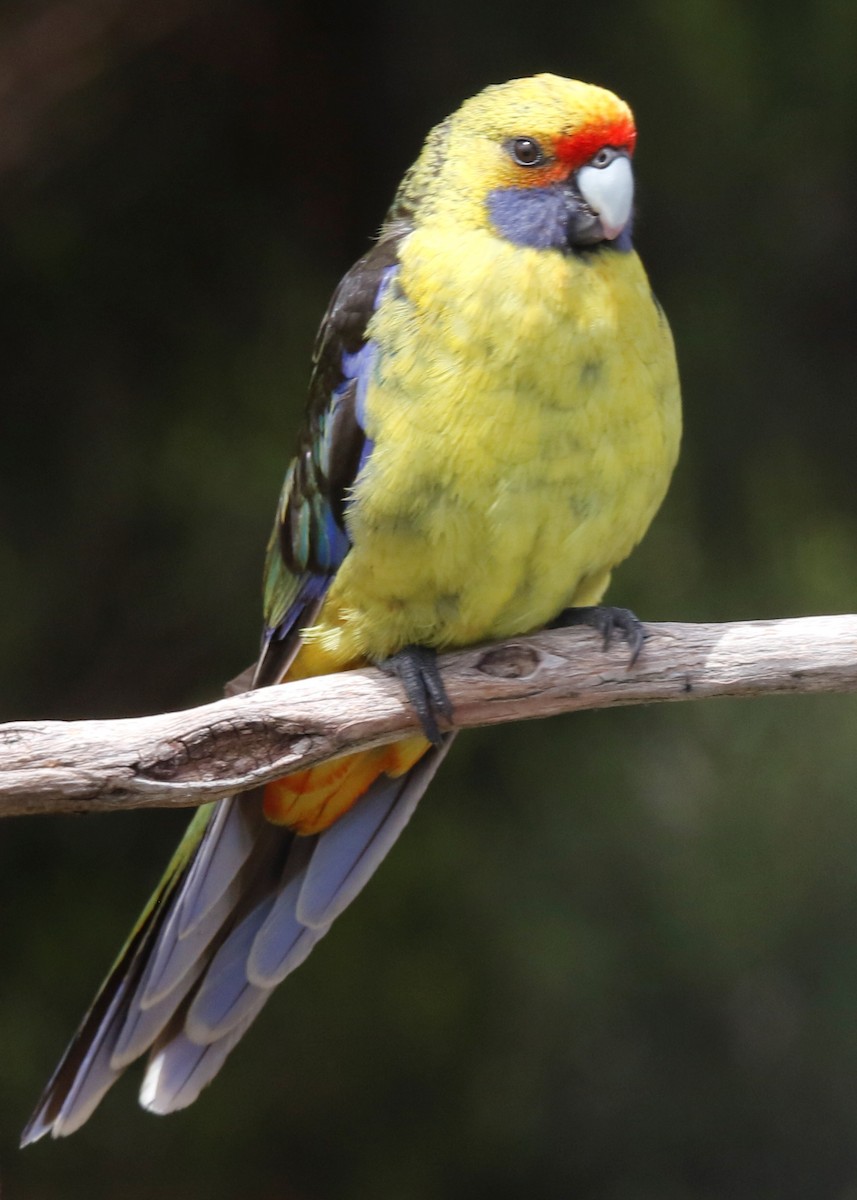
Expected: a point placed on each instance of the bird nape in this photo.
(493, 421)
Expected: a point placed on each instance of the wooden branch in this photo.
(186, 758)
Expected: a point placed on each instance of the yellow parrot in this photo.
(494, 417)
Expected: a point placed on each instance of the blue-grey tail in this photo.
(219, 936)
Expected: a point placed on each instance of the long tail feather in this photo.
(242, 904)
(233, 837)
(94, 1075)
(177, 1073)
(226, 995)
(350, 851)
(84, 1060)
(337, 866)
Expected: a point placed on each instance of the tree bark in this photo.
(187, 758)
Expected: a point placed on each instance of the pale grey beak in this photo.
(609, 192)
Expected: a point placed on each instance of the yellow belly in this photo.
(525, 417)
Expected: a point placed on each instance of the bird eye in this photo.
(526, 152)
(604, 157)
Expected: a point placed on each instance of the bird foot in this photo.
(416, 669)
(606, 620)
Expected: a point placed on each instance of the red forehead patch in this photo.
(577, 148)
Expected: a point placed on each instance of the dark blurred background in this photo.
(615, 956)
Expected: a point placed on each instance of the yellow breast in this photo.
(524, 409)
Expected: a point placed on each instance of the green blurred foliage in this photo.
(616, 954)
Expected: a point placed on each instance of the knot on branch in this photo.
(223, 749)
(512, 661)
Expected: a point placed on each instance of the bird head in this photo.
(543, 162)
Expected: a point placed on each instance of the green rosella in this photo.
(493, 421)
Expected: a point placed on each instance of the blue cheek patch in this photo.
(536, 217)
(539, 217)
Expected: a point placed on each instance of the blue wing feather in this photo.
(310, 536)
